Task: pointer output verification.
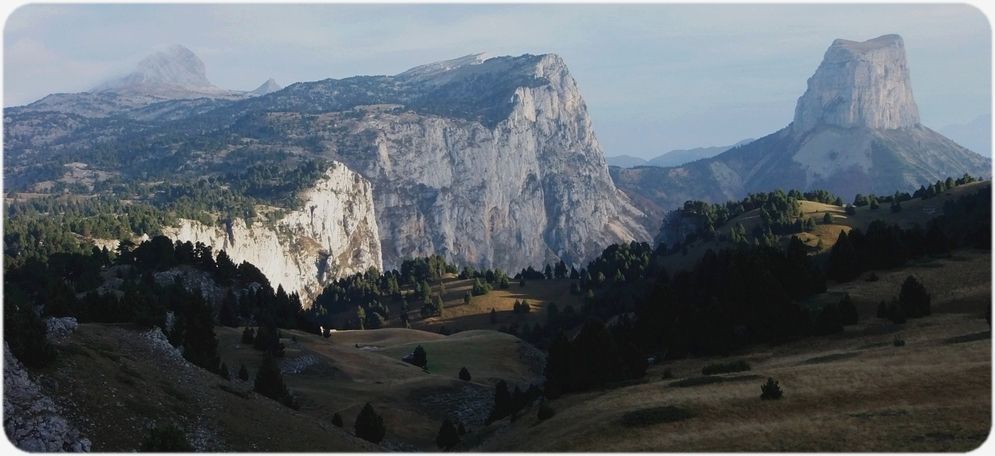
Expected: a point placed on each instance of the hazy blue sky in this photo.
(655, 77)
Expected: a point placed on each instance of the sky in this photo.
(654, 77)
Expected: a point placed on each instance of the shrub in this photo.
(243, 373)
(738, 365)
(827, 219)
(168, 438)
(223, 372)
(545, 412)
(464, 374)
(770, 390)
(448, 436)
(898, 342)
(337, 419)
(369, 425)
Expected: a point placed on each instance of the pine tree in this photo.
(228, 314)
(464, 374)
(224, 372)
(448, 436)
(269, 381)
(243, 373)
(914, 299)
(337, 419)
(848, 312)
(419, 357)
(502, 402)
(369, 425)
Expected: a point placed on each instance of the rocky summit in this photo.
(856, 130)
(859, 84)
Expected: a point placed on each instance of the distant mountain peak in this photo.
(171, 69)
(859, 84)
(269, 86)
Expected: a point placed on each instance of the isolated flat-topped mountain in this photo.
(856, 130)
(489, 162)
(859, 84)
(174, 68)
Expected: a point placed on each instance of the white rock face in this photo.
(334, 234)
(30, 418)
(859, 84)
(531, 189)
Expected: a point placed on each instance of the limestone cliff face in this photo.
(860, 84)
(518, 181)
(333, 234)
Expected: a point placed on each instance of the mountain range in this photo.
(675, 157)
(488, 162)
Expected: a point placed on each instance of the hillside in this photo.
(915, 212)
(114, 380)
(931, 394)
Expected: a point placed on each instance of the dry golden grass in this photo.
(476, 315)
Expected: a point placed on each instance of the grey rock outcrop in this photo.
(859, 84)
(57, 328)
(333, 234)
(30, 418)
